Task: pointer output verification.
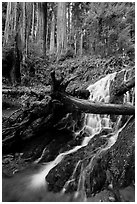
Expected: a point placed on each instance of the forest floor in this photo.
(88, 70)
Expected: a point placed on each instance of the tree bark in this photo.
(18, 58)
(23, 33)
(28, 17)
(75, 43)
(52, 34)
(81, 43)
(85, 106)
(46, 112)
(69, 22)
(33, 20)
(72, 103)
(13, 35)
(61, 29)
(44, 10)
(7, 24)
(24, 90)
(37, 23)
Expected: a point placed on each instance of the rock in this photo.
(110, 186)
(127, 194)
(111, 199)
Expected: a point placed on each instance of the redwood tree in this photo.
(61, 29)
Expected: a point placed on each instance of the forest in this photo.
(68, 101)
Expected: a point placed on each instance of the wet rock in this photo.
(118, 160)
(110, 186)
(127, 194)
(111, 199)
(122, 155)
(60, 174)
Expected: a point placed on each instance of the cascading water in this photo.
(93, 124)
(99, 92)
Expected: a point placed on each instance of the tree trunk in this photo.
(81, 43)
(37, 22)
(18, 47)
(18, 58)
(75, 43)
(23, 33)
(33, 21)
(44, 9)
(61, 29)
(15, 16)
(52, 35)
(13, 35)
(28, 24)
(7, 24)
(69, 23)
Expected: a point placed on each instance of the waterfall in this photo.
(99, 92)
(93, 124)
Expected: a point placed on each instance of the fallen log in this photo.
(110, 167)
(25, 90)
(41, 115)
(86, 106)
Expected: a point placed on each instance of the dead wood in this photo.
(25, 90)
(86, 106)
(45, 114)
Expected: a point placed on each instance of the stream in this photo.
(93, 124)
(94, 127)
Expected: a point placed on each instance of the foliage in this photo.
(110, 28)
(105, 30)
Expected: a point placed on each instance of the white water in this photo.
(39, 178)
(99, 92)
(129, 98)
